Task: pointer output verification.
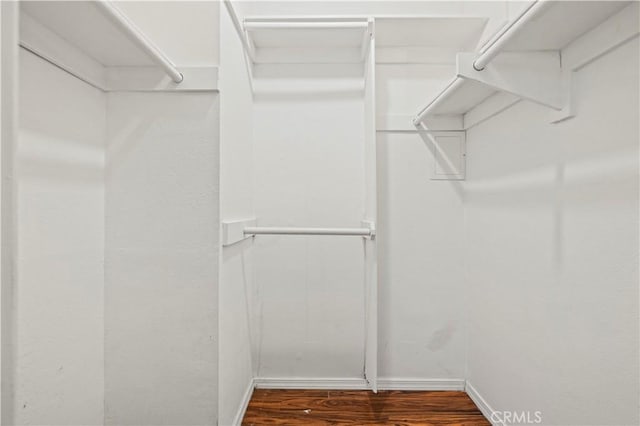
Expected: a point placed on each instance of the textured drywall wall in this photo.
(551, 229)
(9, 130)
(422, 326)
(162, 221)
(59, 360)
(161, 340)
(420, 235)
(237, 290)
(161, 259)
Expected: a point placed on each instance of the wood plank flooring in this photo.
(321, 407)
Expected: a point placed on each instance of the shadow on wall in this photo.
(544, 184)
(63, 160)
(550, 185)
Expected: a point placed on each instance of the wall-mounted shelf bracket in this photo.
(615, 31)
(533, 58)
(233, 231)
(371, 225)
(535, 76)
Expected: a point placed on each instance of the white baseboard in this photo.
(359, 384)
(310, 383)
(242, 409)
(482, 404)
(421, 384)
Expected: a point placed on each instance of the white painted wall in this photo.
(162, 228)
(420, 236)
(237, 290)
(403, 89)
(159, 355)
(551, 224)
(422, 330)
(309, 171)
(9, 95)
(305, 167)
(422, 320)
(59, 358)
(161, 258)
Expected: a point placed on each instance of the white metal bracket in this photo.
(371, 225)
(535, 76)
(233, 231)
(540, 76)
(606, 37)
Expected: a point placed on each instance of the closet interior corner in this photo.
(239, 212)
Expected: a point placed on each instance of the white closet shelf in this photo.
(426, 39)
(307, 40)
(96, 42)
(443, 32)
(522, 62)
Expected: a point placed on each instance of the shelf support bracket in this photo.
(233, 230)
(535, 76)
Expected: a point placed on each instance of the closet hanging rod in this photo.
(491, 51)
(138, 38)
(454, 85)
(259, 230)
(254, 25)
(488, 53)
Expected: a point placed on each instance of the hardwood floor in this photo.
(321, 407)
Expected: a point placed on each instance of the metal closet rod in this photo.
(261, 230)
(136, 36)
(454, 85)
(489, 52)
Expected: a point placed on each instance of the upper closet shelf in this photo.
(96, 42)
(307, 40)
(426, 39)
(523, 60)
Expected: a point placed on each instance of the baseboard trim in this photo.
(482, 404)
(359, 384)
(242, 409)
(421, 384)
(309, 383)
